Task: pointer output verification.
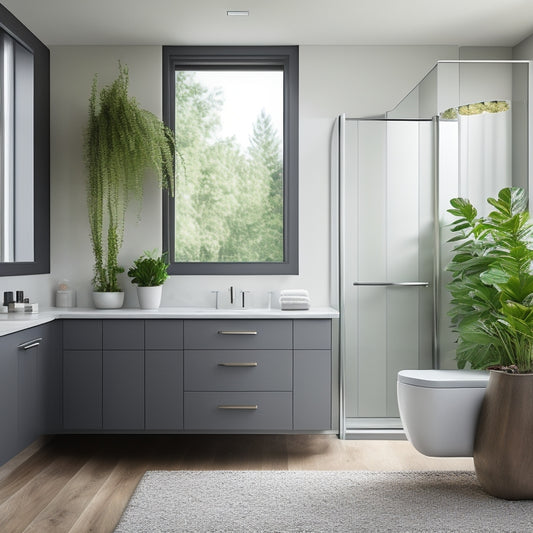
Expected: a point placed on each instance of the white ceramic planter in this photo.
(108, 300)
(150, 297)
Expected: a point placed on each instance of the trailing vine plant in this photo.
(122, 142)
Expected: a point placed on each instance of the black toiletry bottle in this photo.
(20, 297)
(8, 297)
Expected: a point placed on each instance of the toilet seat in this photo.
(445, 379)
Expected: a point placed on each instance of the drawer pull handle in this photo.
(30, 344)
(237, 332)
(238, 407)
(237, 364)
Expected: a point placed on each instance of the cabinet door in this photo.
(29, 393)
(123, 389)
(82, 389)
(164, 389)
(8, 398)
(312, 389)
(49, 376)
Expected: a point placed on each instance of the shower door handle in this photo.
(391, 284)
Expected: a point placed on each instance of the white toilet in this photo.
(439, 409)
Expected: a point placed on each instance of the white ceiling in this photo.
(358, 22)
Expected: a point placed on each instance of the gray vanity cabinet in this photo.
(242, 375)
(163, 366)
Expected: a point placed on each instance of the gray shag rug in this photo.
(316, 501)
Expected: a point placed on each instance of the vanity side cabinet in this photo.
(312, 375)
(163, 377)
(82, 374)
(8, 398)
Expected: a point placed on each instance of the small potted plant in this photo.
(149, 272)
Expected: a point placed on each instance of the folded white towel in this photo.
(295, 299)
(294, 292)
(294, 306)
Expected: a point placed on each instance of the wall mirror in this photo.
(24, 150)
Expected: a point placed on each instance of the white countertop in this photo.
(13, 322)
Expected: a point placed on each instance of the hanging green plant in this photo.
(122, 142)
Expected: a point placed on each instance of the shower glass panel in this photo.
(462, 131)
(388, 264)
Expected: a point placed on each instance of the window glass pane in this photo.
(229, 195)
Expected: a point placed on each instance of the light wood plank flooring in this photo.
(83, 483)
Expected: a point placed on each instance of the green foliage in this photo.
(229, 203)
(492, 282)
(122, 142)
(150, 270)
(493, 106)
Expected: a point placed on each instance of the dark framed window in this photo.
(235, 114)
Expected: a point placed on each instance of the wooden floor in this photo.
(83, 483)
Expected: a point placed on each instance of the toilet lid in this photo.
(445, 379)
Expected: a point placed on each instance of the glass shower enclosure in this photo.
(463, 131)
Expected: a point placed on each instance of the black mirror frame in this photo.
(41, 134)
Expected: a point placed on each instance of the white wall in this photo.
(524, 49)
(359, 81)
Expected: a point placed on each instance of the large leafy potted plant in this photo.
(492, 312)
(122, 142)
(149, 272)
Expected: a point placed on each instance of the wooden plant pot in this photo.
(503, 446)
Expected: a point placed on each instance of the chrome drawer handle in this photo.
(30, 344)
(238, 407)
(237, 364)
(237, 332)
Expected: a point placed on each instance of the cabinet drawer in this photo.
(238, 370)
(240, 411)
(82, 334)
(238, 334)
(123, 334)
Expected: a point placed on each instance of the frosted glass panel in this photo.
(389, 238)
